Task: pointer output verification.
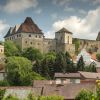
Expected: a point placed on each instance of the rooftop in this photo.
(64, 30)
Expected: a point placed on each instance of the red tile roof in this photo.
(29, 27)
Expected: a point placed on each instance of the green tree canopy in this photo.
(98, 57)
(32, 54)
(80, 64)
(10, 49)
(19, 71)
(84, 95)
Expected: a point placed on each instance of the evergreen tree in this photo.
(80, 64)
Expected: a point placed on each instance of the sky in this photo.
(81, 17)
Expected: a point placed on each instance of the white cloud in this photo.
(86, 27)
(16, 6)
(3, 28)
(38, 11)
(61, 2)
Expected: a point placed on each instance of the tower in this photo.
(64, 40)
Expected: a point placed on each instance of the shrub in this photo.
(4, 83)
(10, 97)
(98, 57)
(84, 95)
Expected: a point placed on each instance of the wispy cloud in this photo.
(16, 6)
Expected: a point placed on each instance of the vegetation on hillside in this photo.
(30, 64)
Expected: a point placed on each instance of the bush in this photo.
(4, 83)
(84, 95)
(51, 98)
(98, 57)
(2, 92)
(54, 97)
(10, 97)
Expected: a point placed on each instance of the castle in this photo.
(28, 34)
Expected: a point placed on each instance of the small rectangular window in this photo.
(29, 35)
(30, 42)
(25, 41)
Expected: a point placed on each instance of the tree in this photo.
(84, 95)
(80, 64)
(10, 49)
(98, 57)
(2, 92)
(77, 45)
(19, 71)
(32, 54)
(91, 67)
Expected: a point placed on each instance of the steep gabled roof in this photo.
(9, 32)
(29, 27)
(64, 30)
(98, 37)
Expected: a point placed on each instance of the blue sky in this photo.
(79, 16)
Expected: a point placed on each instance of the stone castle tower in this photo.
(28, 34)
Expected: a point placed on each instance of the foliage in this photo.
(53, 97)
(77, 45)
(80, 64)
(98, 57)
(2, 92)
(10, 49)
(91, 67)
(4, 83)
(19, 71)
(31, 97)
(32, 54)
(10, 97)
(84, 95)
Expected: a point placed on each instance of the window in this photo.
(19, 35)
(30, 42)
(36, 36)
(1, 50)
(25, 41)
(29, 35)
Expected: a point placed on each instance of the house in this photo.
(65, 78)
(79, 77)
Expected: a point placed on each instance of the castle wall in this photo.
(90, 44)
(49, 45)
(32, 40)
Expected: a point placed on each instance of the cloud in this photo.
(3, 29)
(54, 16)
(61, 2)
(86, 27)
(38, 11)
(71, 9)
(96, 2)
(16, 6)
